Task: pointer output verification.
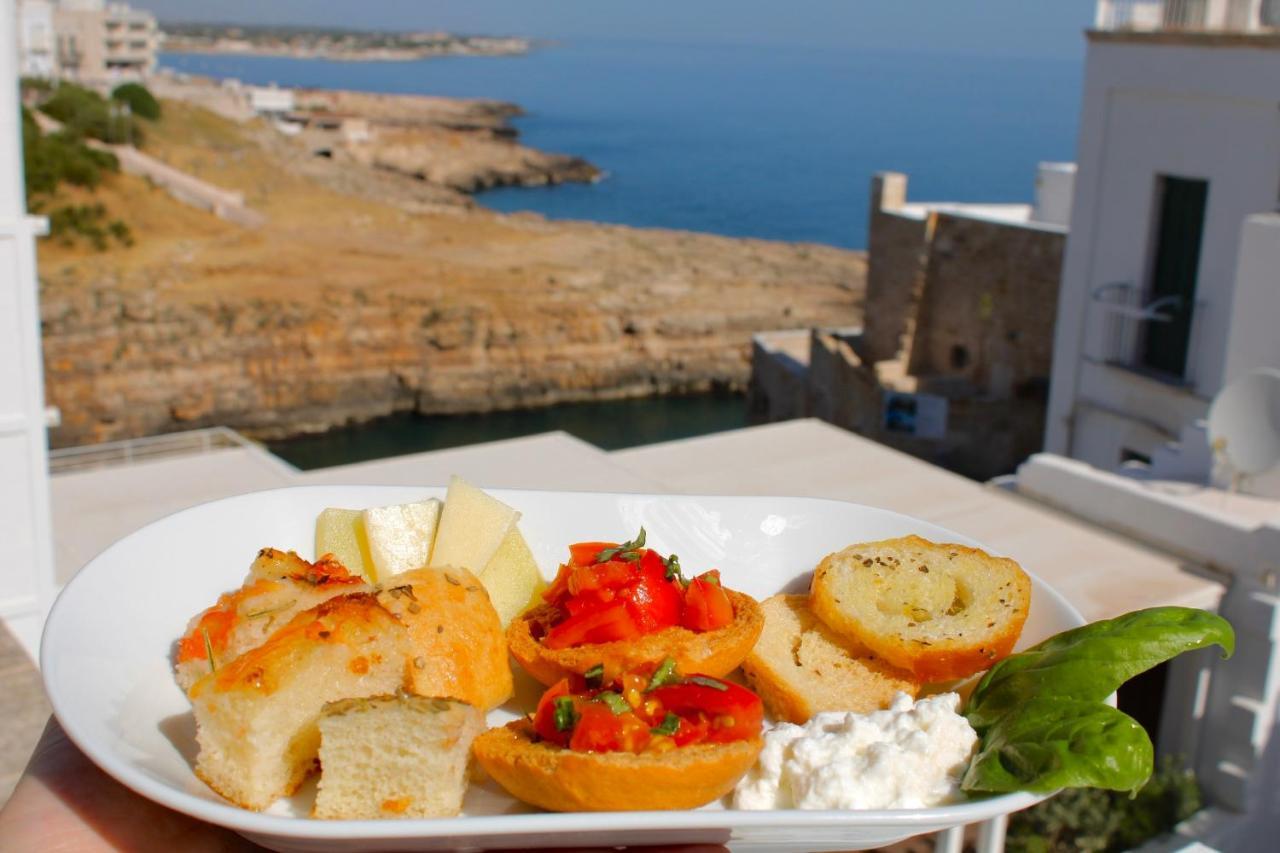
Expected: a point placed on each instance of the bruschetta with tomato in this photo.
(627, 607)
(644, 740)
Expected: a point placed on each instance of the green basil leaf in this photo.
(670, 723)
(1058, 744)
(616, 703)
(672, 564)
(595, 676)
(1092, 661)
(1040, 715)
(707, 682)
(565, 717)
(664, 674)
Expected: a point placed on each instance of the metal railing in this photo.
(1128, 315)
(1236, 16)
(128, 451)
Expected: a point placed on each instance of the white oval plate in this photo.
(107, 645)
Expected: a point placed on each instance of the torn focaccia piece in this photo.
(257, 715)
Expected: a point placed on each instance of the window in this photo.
(1180, 207)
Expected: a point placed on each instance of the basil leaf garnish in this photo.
(595, 676)
(628, 551)
(565, 716)
(1040, 715)
(664, 674)
(707, 682)
(616, 703)
(668, 725)
(673, 570)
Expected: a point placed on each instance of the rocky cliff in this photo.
(343, 308)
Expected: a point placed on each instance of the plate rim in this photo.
(289, 827)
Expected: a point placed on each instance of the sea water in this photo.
(750, 141)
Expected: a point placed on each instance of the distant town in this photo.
(319, 43)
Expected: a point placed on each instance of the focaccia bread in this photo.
(459, 648)
(257, 716)
(940, 611)
(394, 757)
(279, 587)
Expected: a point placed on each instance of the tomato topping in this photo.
(599, 729)
(601, 579)
(706, 606)
(727, 711)
(601, 624)
(624, 716)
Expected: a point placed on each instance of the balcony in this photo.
(1145, 335)
(1188, 16)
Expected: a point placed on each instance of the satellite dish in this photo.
(1244, 422)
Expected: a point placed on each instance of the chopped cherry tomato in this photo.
(560, 586)
(731, 713)
(544, 719)
(653, 600)
(599, 625)
(601, 730)
(706, 606)
(586, 553)
(610, 575)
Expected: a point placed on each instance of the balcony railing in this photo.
(1128, 317)
(1234, 16)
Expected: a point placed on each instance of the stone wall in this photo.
(896, 260)
(988, 305)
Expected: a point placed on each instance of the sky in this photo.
(1045, 28)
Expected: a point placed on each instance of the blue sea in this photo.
(750, 141)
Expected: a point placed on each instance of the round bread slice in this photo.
(940, 611)
(715, 653)
(801, 667)
(562, 780)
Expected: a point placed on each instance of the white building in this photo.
(37, 43)
(1171, 282)
(100, 41)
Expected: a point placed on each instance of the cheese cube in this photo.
(512, 578)
(472, 527)
(400, 536)
(340, 532)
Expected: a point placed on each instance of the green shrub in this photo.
(1089, 820)
(141, 102)
(56, 158)
(86, 113)
(72, 221)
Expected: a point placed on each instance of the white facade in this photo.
(37, 43)
(270, 99)
(26, 573)
(1165, 108)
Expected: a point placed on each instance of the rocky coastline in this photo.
(334, 44)
(368, 292)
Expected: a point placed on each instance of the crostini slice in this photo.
(940, 611)
(801, 667)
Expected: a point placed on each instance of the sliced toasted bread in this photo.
(940, 611)
(394, 757)
(801, 667)
(563, 780)
(715, 653)
(257, 716)
(460, 651)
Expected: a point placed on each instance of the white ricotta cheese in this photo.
(910, 756)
